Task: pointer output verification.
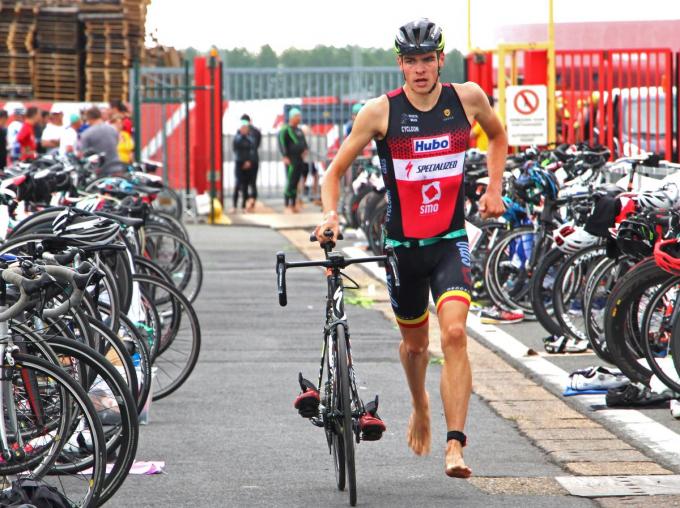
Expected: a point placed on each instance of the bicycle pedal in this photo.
(307, 404)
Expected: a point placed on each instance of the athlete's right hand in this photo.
(330, 221)
(286, 161)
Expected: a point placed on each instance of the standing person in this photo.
(26, 140)
(422, 131)
(477, 134)
(39, 127)
(69, 137)
(245, 150)
(101, 137)
(118, 107)
(18, 117)
(3, 138)
(293, 147)
(52, 132)
(257, 138)
(125, 144)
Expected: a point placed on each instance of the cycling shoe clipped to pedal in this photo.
(370, 424)
(307, 403)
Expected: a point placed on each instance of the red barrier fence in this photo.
(619, 98)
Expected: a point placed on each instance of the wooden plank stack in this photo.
(69, 50)
(17, 29)
(59, 57)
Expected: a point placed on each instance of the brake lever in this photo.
(391, 259)
(281, 278)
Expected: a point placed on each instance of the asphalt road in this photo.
(231, 437)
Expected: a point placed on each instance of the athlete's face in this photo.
(421, 72)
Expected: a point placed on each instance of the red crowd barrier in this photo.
(619, 98)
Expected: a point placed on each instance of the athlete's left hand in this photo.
(491, 205)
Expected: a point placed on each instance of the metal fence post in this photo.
(187, 155)
(137, 111)
(212, 135)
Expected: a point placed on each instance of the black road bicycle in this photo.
(340, 406)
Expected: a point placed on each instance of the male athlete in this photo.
(422, 131)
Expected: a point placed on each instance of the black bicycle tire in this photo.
(342, 370)
(561, 313)
(542, 313)
(127, 440)
(196, 334)
(76, 391)
(596, 336)
(622, 301)
(647, 348)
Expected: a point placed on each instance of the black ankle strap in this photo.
(456, 435)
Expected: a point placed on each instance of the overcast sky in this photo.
(307, 23)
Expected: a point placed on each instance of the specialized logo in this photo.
(432, 193)
(447, 112)
(432, 145)
(409, 167)
(439, 166)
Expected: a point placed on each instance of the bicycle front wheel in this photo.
(345, 424)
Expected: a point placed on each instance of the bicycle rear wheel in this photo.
(345, 424)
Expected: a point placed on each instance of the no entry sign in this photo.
(526, 114)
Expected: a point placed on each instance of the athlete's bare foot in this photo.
(455, 465)
(418, 434)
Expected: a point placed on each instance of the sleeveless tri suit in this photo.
(422, 159)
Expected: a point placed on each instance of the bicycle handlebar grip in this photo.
(78, 283)
(312, 237)
(12, 277)
(281, 278)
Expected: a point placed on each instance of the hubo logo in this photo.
(432, 192)
(429, 145)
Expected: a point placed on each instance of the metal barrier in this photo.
(618, 98)
(324, 94)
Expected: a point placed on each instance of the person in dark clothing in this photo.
(245, 151)
(252, 180)
(293, 147)
(3, 138)
(38, 129)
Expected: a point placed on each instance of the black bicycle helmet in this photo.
(636, 237)
(419, 37)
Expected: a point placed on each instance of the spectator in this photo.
(100, 137)
(119, 107)
(39, 127)
(356, 107)
(293, 147)
(51, 135)
(244, 146)
(3, 138)
(69, 136)
(257, 138)
(18, 117)
(125, 143)
(26, 140)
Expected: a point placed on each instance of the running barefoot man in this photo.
(422, 130)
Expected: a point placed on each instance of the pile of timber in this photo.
(17, 30)
(59, 57)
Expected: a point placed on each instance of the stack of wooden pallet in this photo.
(114, 34)
(17, 29)
(59, 57)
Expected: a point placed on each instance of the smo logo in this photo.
(432, 193)
(431, 145)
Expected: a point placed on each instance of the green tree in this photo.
(267, 57)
